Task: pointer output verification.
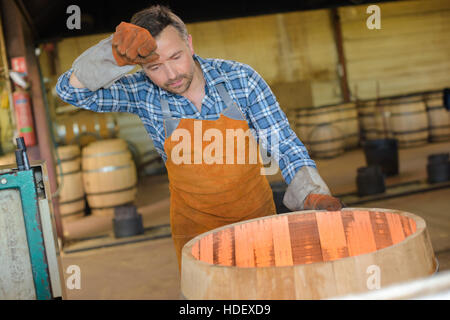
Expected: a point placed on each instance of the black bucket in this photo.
(384, 153)
(438, 168)
(370, 180)
(127, 222)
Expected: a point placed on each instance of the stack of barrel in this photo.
(438, 117)
(105, 175)
(327, 131)
(72, 204)
(413, 120)
(83, 127)
(109, 175)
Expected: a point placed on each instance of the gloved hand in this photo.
(306, 181)
(132, 45)
(316, 201)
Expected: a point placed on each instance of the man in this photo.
(176, 94)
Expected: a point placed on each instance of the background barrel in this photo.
(329, 130)
(347, 122)
(438, 117)
(408, 120)
(307, 255)
(109, 175)
(83, 127)
(71, 195)
(370, 120)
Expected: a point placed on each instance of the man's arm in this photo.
(306, 189)
(92, 82)
(74, 82)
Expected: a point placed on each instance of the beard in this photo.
(186, 83)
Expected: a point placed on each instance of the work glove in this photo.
(307, 191)
(103, 64)
(133, 45)
(316, 201)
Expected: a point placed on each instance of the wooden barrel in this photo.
(84, 127)
(109, 175)
(327, 131)
(307, 255)
(438, 117)
(347, 122)
(370, 120)
(326, 141)
(408, 120)
(72, 203)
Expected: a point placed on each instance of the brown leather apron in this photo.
(205, 195)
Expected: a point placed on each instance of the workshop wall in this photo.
(410, 53)
(296, 52)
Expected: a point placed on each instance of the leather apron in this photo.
(205, 195)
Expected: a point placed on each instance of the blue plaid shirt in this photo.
(135, 93)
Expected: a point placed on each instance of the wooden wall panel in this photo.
(288, 50)
(296, 54)
(410, 53)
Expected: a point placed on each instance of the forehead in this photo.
(168, 38)
(168, 42)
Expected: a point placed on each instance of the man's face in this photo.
(174, 70)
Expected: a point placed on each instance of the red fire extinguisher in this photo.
(24, 117)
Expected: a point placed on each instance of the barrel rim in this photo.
(187, 249)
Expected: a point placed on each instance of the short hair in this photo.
(156, 18)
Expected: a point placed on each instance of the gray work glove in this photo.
(307, 191)
(101, 65)
(96, 67)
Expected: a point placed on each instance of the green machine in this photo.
(30, 265)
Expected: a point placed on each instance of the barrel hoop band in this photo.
(410, 131)
(68, 173)
(65, 215)
(326, 110)
(110, 207)
(407, 113)
(105, 154)
(437, 137)
(412, 141)
(70, 159)
(436, 108)
(327, 123)
(372, 130)
(108, 168)
(112, 191)
(447, 126)
(72, 201)
(393, 102)
(366, 115)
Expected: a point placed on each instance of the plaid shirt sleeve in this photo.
(272, 128)
(122, 96)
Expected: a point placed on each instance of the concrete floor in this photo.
(148, 269)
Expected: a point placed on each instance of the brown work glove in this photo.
(133, 45)
(316, 201)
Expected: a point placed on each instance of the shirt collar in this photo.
(212, 76)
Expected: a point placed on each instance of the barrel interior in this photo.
(294, 239)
